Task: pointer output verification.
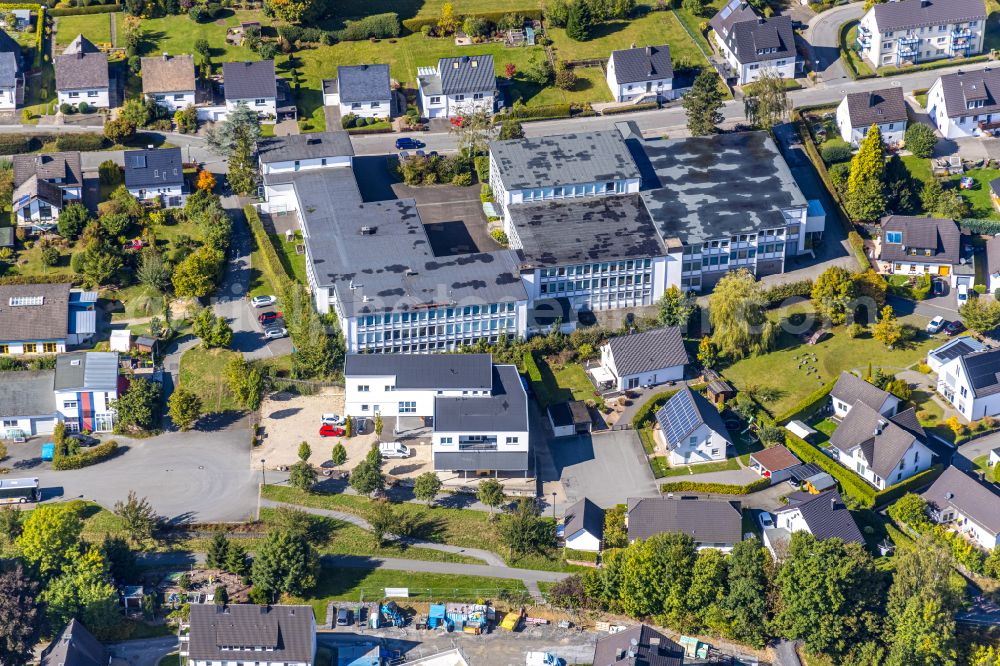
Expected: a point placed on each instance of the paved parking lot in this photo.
(286, 421)
(606, 467)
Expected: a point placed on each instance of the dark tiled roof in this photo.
(159, 167)
(305, 146)
(642, 64)
(286, 631)
(75, 646)
(48, 321)
(942, 237)
(647, 351)
(425, 371)
(685, 412)
(564, 159)
(752, 38)
(776, 458)
(907, 419)
(983, 370)
(8, 69)
(35, 188)
(651, 649)
(574, 412)
(584, 515)
(851, 388)
(876, 106)
(882, 441)
(706, 521)
(82, 65)
(168, 74)
(363, 83)
(735, 11)
(66, 169)
(826, 515)
(993, 246)
(27, 393)
(959, 88)
(505, 409)
(467, 74)
(905, 14)
(249, 80)
(968, 495)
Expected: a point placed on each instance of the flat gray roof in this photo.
(564, 159)
(429, 371)
(305, 146)
(505, 410)
(27, 393)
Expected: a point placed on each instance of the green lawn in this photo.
(561, 383)
(919, 167)
(703, 468)
(432, 8)
(979, 195)
(95, 27)
(853, 58)
(590, 86)
(178, 33)
(202, 371)
(982, 464)
(294, 263)
(921, 99)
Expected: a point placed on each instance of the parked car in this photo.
(270, 317)
(954, 328)
(332, 419)
(403, 155)
(765, 520)
(393, 450)
(936, 324)
(408, 143)
(963, 294)
(331, 431)
(275, 332)
(83, 440)
(263, 301)
(344, 617)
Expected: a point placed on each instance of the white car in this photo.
(765, 520)
(263, 301)
(332, 419)
(963, 293)
(275, 332)
(393, 450)
(936, 324)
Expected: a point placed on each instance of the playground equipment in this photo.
(391, 615)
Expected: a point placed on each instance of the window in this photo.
(70, 404)
(389, 387)
(49, 347)
(376, 105)
(179, 98)
(30, 348)
(477, 95)
(894, 237)
(4, 349)
(459, 98)
(363, 388)
(259, 102)
(512, 440)
(74, 95)
(91, 93)
(407, 407)
(693, 440)
(364, 408)
(355, 105)
(435, 100)
(446, 440)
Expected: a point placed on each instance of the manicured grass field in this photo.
(432, 8)
(919, 167)
(177, 34)
(979, 195)
(561, 383)
(704, 468)
(202, 371)
(295, 264)
(95, 27)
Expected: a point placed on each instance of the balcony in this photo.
(908, 46)
(864, 38)
(960, 46)
(961, 33)
(490, 445)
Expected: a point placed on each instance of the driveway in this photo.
(823, 36)
(971, 450)
(605, 467)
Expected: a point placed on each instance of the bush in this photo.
(14, 144)
(565, 79)
(66, 108)
(109, 173)
(80, 141)
(50, 256)
(482, 164)
(462, 179)
(920, 140)
(417, 24)
(858, 245)
(87, 457)
(500, 237)
(781, 292)
(579, 555)
(629, 108)
(349, 121)
(90, 9)
(856, 330)
(980, 226)
(836, 151)
(84, 107)
(378, 26)
(717, 488)
(541, 112)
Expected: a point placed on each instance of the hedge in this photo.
(369, 130)
(716, 488)
(272, 268)
(820, 167)
(808, 406)
(482, 164)
(579, 555)
(47, 278)
(850, 483)
(780, 292)
(858, 245)
(15, 144)
(645, 415)
(979, 226)
(84, 142)
(87, 457)
(629, 108)
(378, 26)
(415, 24)
(893, 493)
(92, 9)
(542, 112)
(531, 368)
(938, 64)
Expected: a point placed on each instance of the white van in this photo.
(393, 450)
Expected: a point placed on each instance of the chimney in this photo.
(925, 3)
(833, 502)
(649, 50)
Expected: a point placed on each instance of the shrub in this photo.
(858, 245)
(920, 140)
(850, 483)
(781, 292)
(462, 179)
(565, 79)
(379, 26)
(718, 488)
(808, 406)
(83, 142)
(87, 457)
(629, 108)
(349, 121)
(836, 151)
(13, 144)
(500, 237)
(482, 164)
(855, 330)
(84, 107)
(647, 413)
(66, 108)
(50, 256)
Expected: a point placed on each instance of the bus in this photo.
(13, 491)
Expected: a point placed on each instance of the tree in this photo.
(746, 602)
(338, 456)
(243, 168)
(304, 451)
(708, 591)
(84, 590)
(241, 126)
(19, 622)
(738, 314)
(50, 538)
(693, 7)
(153, 271)
(284, 564)
(186, 119)
(246, 381)
(138, 518)
(302, 475)
(924, 571)
(866, 182)
(236, 559)
(218, 551)
(221, 595)
(980, 314)
(524, 530)
(887, 330)
(119, 130)
(135, 409)
(378, 425)
(426, 487)
(184, 407)
(703, 103)
(565, 78)
(448, 22)
(211, 330)
(132, 34)
(925, 635)
(765, 102)
(206, 181)
(509, 70)
(920, 140)
(10, 524)
(366, 478)
(579, 22)
(491, 494)
(475, 132)
(72, 219)
(708, 353)
(676, 307)
(101, 262)
(510, 128)
(832, 293)
(656, 575)
(951, 204)
(195, 276)
(381, 519)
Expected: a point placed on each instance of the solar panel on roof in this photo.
(681, 417)
(138, 161)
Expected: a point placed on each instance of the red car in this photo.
(331, 431)
(268, 317)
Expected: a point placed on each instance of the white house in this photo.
(885, 108)
(920, 245)
(11, 72)
(252, 83)
(960, 346)
(364, 90)
(993, 253)
(849, 389)
(457, 85)
(825, 516)
(967, 505)
(641, 73)
(477, 411)
(169, 80)
(243, 634)
(995, 456)
(906, 32)
(965, 103)
(881, 449)
(649, 358)
(45, 318)
(27, 404)
(156, 175)
(82, 75)
(711, 523)
(583, 526)
(86, 384)
(752, 44)
(970, 382)
(691, 429)
(43, 185)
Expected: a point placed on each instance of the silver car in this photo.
(275, 332)
(263, 301)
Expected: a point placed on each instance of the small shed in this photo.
(6, 236)
(800, 429)
(817, 483)
(570, 418)
(995, 457)
(583, 526)
(774, 463)
(121, 340)
(145, 344)
(719, 391)
(132, 597)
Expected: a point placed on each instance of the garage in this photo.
(570, 418)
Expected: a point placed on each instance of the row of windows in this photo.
(602, 283)
(477, 439)
(475, 327)
(458, 98)
(416, 348)
(435, 313)
(32, 348)
(565, 191)
(941, 28)
(90, 93)
(587, 269)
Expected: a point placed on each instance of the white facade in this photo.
(887, 408)
(626, 92)
(86, 410)
(8, 97)
(995, 457)
(367, 396)
(957, 520)
(651, 378)
(583, 540)
(503, 441)
(701, 446)
(955, 386)
(266, 107)
(380, 108)
(437, 105)
(34, 347)
(883, 48)
(94, 97)
(751, 71)
(165, 195)
(916, 459)
(174, 101)
(955, 127)
(27, 426)
(892, 133)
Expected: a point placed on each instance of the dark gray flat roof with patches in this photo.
(427, 371)
(504, 410)
(565, 159)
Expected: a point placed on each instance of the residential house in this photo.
(11, 73)
(960, 346)
(752, 44)
(248, 634)
(641, 74)
(45, 318)
(711, 523)
(252, 83)
(881, 449)
(825, 516)
(691, 429)
(75, 646)
(169, 81)
(859, 112)
(569, 418)
(971, 383)
(43, 185)
(638, 646)
(850, 388)
(156, 175)
(82, 75)
(967, 505)
(906, 32)
(457, 85)
(27, 404)
(477, 411)
(775, 463)
(994, 457)
(963, 104)
(918, 245)
(583, 526)
(644, 359)
(364, 90)
(86, 385)
(993, 258)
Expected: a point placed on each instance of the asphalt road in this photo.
(823, 37)
(145, 651)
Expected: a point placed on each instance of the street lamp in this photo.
(553, 505)
(263, 480)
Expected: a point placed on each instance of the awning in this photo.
(601, 375)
